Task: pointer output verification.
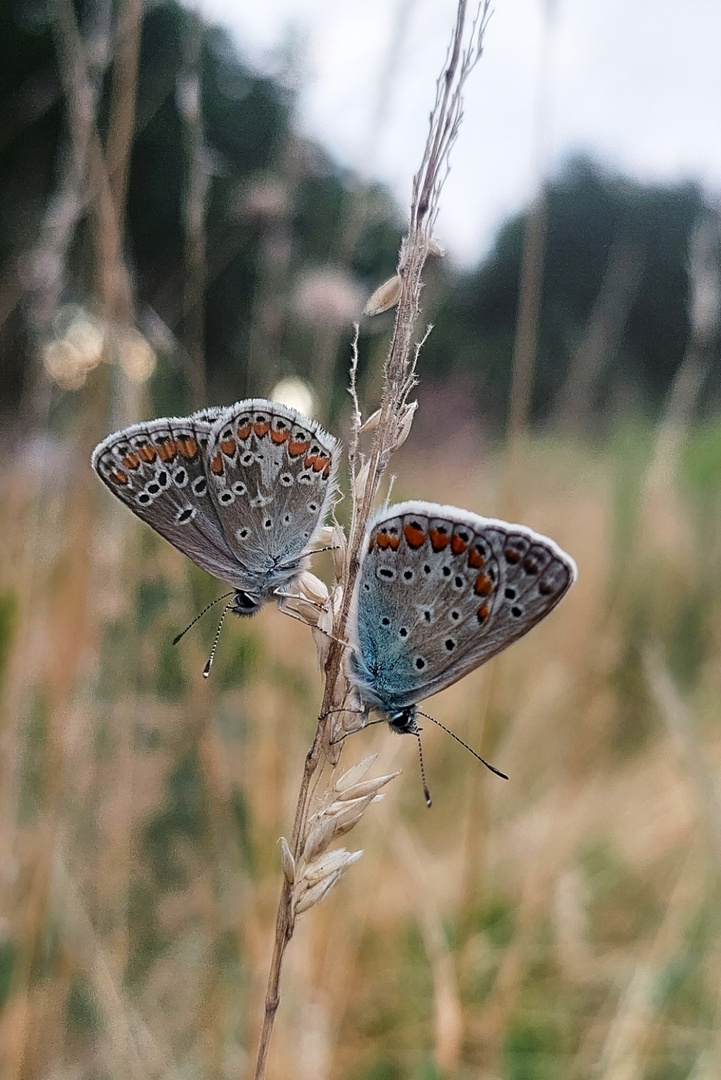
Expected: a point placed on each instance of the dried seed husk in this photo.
(312, 587)
(372, 422)
(354, 774)
(330, 863)
(287, 860)
(315, 894)
(350, 814)
(360, 480)
(405, 424)
(385, 297)
(319, 837)
(338, 546)
(366, 787)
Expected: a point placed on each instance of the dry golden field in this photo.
(564, 924)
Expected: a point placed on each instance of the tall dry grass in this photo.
(561, 924)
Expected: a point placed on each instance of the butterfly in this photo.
(439, 592)
(242, 490)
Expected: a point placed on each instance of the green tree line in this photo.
(278, 210)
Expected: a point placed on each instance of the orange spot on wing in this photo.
(244, 431)
(415, 537)
(228, 447)
(187, 447)
(483, 586)
(296, 448)
(383, 540)
(371, 543)
(166, 449)
(475, 559)
(118, 477)
(483, 612)
(439, 540)
(262, 429)
(146, 452)
(132, 461)
(530, 566)
(544, 588)
(512, 556)
(280, 436)
(316, 462)
(458, 546)
(216, 465)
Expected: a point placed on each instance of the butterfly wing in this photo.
(157, 469)
(271, 473)
(441, 591)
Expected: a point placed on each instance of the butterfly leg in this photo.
(361, 727)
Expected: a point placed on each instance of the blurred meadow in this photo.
(168, 238)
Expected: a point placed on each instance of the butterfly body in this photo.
(240, 490)
(441, 591)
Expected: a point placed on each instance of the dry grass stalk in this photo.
(342, 808)
(196, 197)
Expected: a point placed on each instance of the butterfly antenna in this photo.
(211, 658)
(468, 748)
(212, 603)
(426, 792)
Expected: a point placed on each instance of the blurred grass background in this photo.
(167, 236)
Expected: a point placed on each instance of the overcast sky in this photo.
(636, 83)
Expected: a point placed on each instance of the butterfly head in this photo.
(402, 721)
(245, 603)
